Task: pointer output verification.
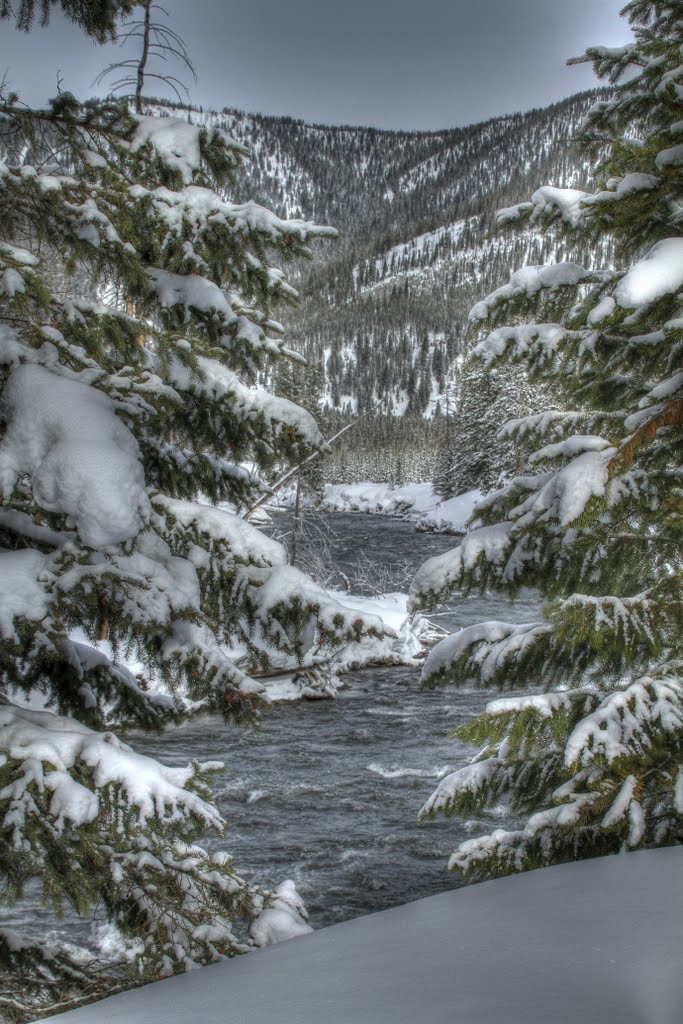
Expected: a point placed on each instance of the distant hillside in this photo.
(385, 306)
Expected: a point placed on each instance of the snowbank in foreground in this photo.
(412, 501)
(595, 942)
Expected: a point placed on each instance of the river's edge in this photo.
(415, 502)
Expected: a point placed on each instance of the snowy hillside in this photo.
(385, 305)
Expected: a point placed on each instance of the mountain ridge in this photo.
(384, 308)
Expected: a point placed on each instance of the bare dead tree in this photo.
(157, 41)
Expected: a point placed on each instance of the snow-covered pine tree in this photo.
(594, 762)
(123, 420)
(475, 455)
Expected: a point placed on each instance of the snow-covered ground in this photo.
(414, 501)
(450, 516)
(596, 941)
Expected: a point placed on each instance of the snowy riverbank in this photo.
(403, 644)
(408, 501)
(593, 941)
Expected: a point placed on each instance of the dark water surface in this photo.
(327, 793)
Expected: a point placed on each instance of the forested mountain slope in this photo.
(385, 306)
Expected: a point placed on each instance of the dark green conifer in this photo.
(127, 411)
(594, 761)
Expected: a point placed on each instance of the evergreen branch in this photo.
(598, 768)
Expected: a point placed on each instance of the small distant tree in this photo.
(594, 763)
(477, 454)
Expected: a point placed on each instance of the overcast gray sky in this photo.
(388, 63)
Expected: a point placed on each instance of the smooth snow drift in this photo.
(597, 942)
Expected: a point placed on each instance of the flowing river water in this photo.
(327, 792)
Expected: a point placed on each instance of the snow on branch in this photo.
(565, 496)
(17, 272)
(545, 705)
(533, 279)
(82, 461)
(190, 290)
(484, 653)
(659, 273)
(202, 210)
(24, 593)
(556, 425)
(217, 527)
(213, 678)
(177, 143)
(610, 61)
(444, 573)
(99, 690)
(569, 447)
(585, 637)
(565, 203)
(537, 342)
(499, 551)
(294, 614)
(54, 752)
(639, 716)
(473, 781)
(284, 917)
(621, 188)
(217, 382)
(573, 206)
(607, 769)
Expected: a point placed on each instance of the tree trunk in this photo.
(143, 59)
(296, 525)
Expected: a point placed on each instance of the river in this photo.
(327, 792)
